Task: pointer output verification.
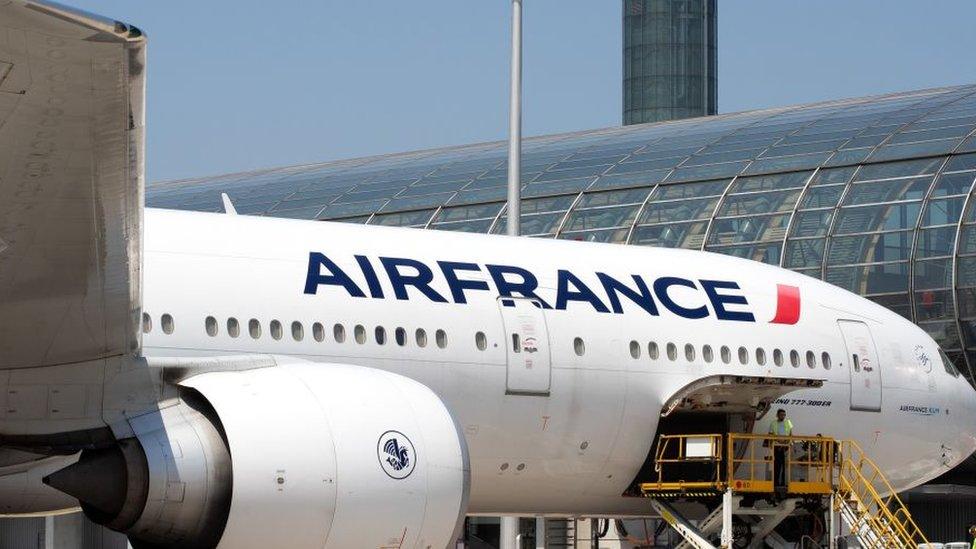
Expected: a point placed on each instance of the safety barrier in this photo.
(674, 455)
(808, 463)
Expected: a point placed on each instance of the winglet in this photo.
(228, 205)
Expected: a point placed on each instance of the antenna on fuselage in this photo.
(229, 208)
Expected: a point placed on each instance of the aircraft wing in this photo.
(72, 89)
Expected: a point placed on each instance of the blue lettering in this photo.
(421, 281)
(375, 290)
(642, 297)
(512, 282)
(719, 301)
(582, 292)
(457, 285)
(506, 288)
(336, 276)
(661, 287)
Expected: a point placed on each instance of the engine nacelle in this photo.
(299, 455)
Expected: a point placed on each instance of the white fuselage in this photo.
(564, 433)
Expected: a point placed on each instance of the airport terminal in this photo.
(870, 194)
(876, 195)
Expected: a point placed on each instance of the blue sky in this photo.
(250, 84)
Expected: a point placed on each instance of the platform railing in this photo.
(676, 451)
(808, 463)
(880, 521)
(743, 462)
(746, 463)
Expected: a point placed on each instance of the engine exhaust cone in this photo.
(96, 480)
(111, 483)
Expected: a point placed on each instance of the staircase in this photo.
(739, 467)
(881, 522)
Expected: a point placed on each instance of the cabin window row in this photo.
(744, 356)
(166, 323)
(255, 330)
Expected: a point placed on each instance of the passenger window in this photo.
(233, 327)
(672, 352)
(579, 347)
(318, 332)
(422, 337)
(211, 325)
(254, 328)
(634, 349)
(480, 341)
(708, 354)
(297, 331)
(339, 333)
(652, 350)
(811, 359)
(760, 356)
(743, 355)
(401, 336)
(380, 334)
(777, 357)
(276, 331)
(726, 354)
(167, 322)
(795, 358)
(146, 323)
(689, 352)
(440, 336)
(359, 332)
(825, 359)
(516, 343)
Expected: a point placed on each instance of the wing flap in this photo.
(71, 185)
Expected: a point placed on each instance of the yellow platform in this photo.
(706, 465)
(744, 463)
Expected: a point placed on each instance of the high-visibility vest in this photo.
(784, 429)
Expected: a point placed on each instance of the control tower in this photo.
(670, 59)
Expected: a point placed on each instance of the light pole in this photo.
(515, 125)
(509, 525)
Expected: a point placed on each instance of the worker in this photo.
(972, 533)
(780, 427)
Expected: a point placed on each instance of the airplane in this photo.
(206, 379)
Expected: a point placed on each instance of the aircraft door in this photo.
(863, 365)
(527, 340)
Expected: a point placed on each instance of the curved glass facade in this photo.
(875, 195)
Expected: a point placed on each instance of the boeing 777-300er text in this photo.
(195, 380)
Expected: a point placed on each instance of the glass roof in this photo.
(873, 194)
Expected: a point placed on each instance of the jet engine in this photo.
(297, 455)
